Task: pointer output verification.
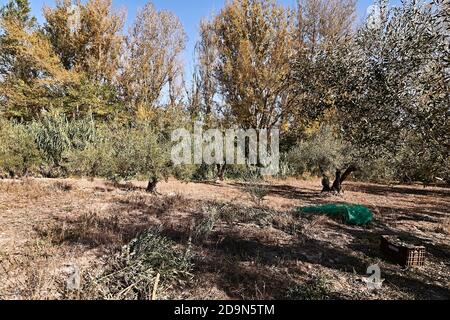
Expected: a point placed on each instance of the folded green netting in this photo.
(351, 214)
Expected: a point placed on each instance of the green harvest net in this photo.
(351, 214)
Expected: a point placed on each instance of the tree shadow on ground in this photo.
(371, 244)
(420, 214)
(236, 249)
(94, 231)
(418, 283)
(248, 266)
(398, 191)
(118, 225)
(285, 191)
(237, 255)
(323, 253)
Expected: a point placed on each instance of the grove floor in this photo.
(49, 226)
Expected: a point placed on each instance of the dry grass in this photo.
(242, 248)
(29, 274)
(62, 186)
(89, 229)
(257, 192)
(444, 227)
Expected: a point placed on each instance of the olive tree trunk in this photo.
(338, 181)
(221, 169)
(151, 186)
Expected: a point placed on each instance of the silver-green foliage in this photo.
(19, 155)
(389, 87)
(322, 150)
(56, 134)
(400, 101)
(124, 153)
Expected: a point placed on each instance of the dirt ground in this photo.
(48, 227)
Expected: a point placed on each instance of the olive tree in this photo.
(389, 86)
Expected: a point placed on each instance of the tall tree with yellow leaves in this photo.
(87, 37)
(324, 23)
(254, 40)
(206, 55)
(152, 65)
(31, 74)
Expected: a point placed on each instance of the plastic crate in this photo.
(404, 254)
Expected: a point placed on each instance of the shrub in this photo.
(204, 172)
(321, 150)
(256, 191)
(140, 151)
(126, 153)
(417, 160)
(378, 169)
(412, 160)
(205, 226)
(247, 173)
(55, 135)
(19, 154)
(231, 213)
(92, 161)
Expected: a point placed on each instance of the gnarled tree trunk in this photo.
(221, 169)
(151, 186)
(338, 181)
(325, 183)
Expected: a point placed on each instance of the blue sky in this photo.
(189, 12)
